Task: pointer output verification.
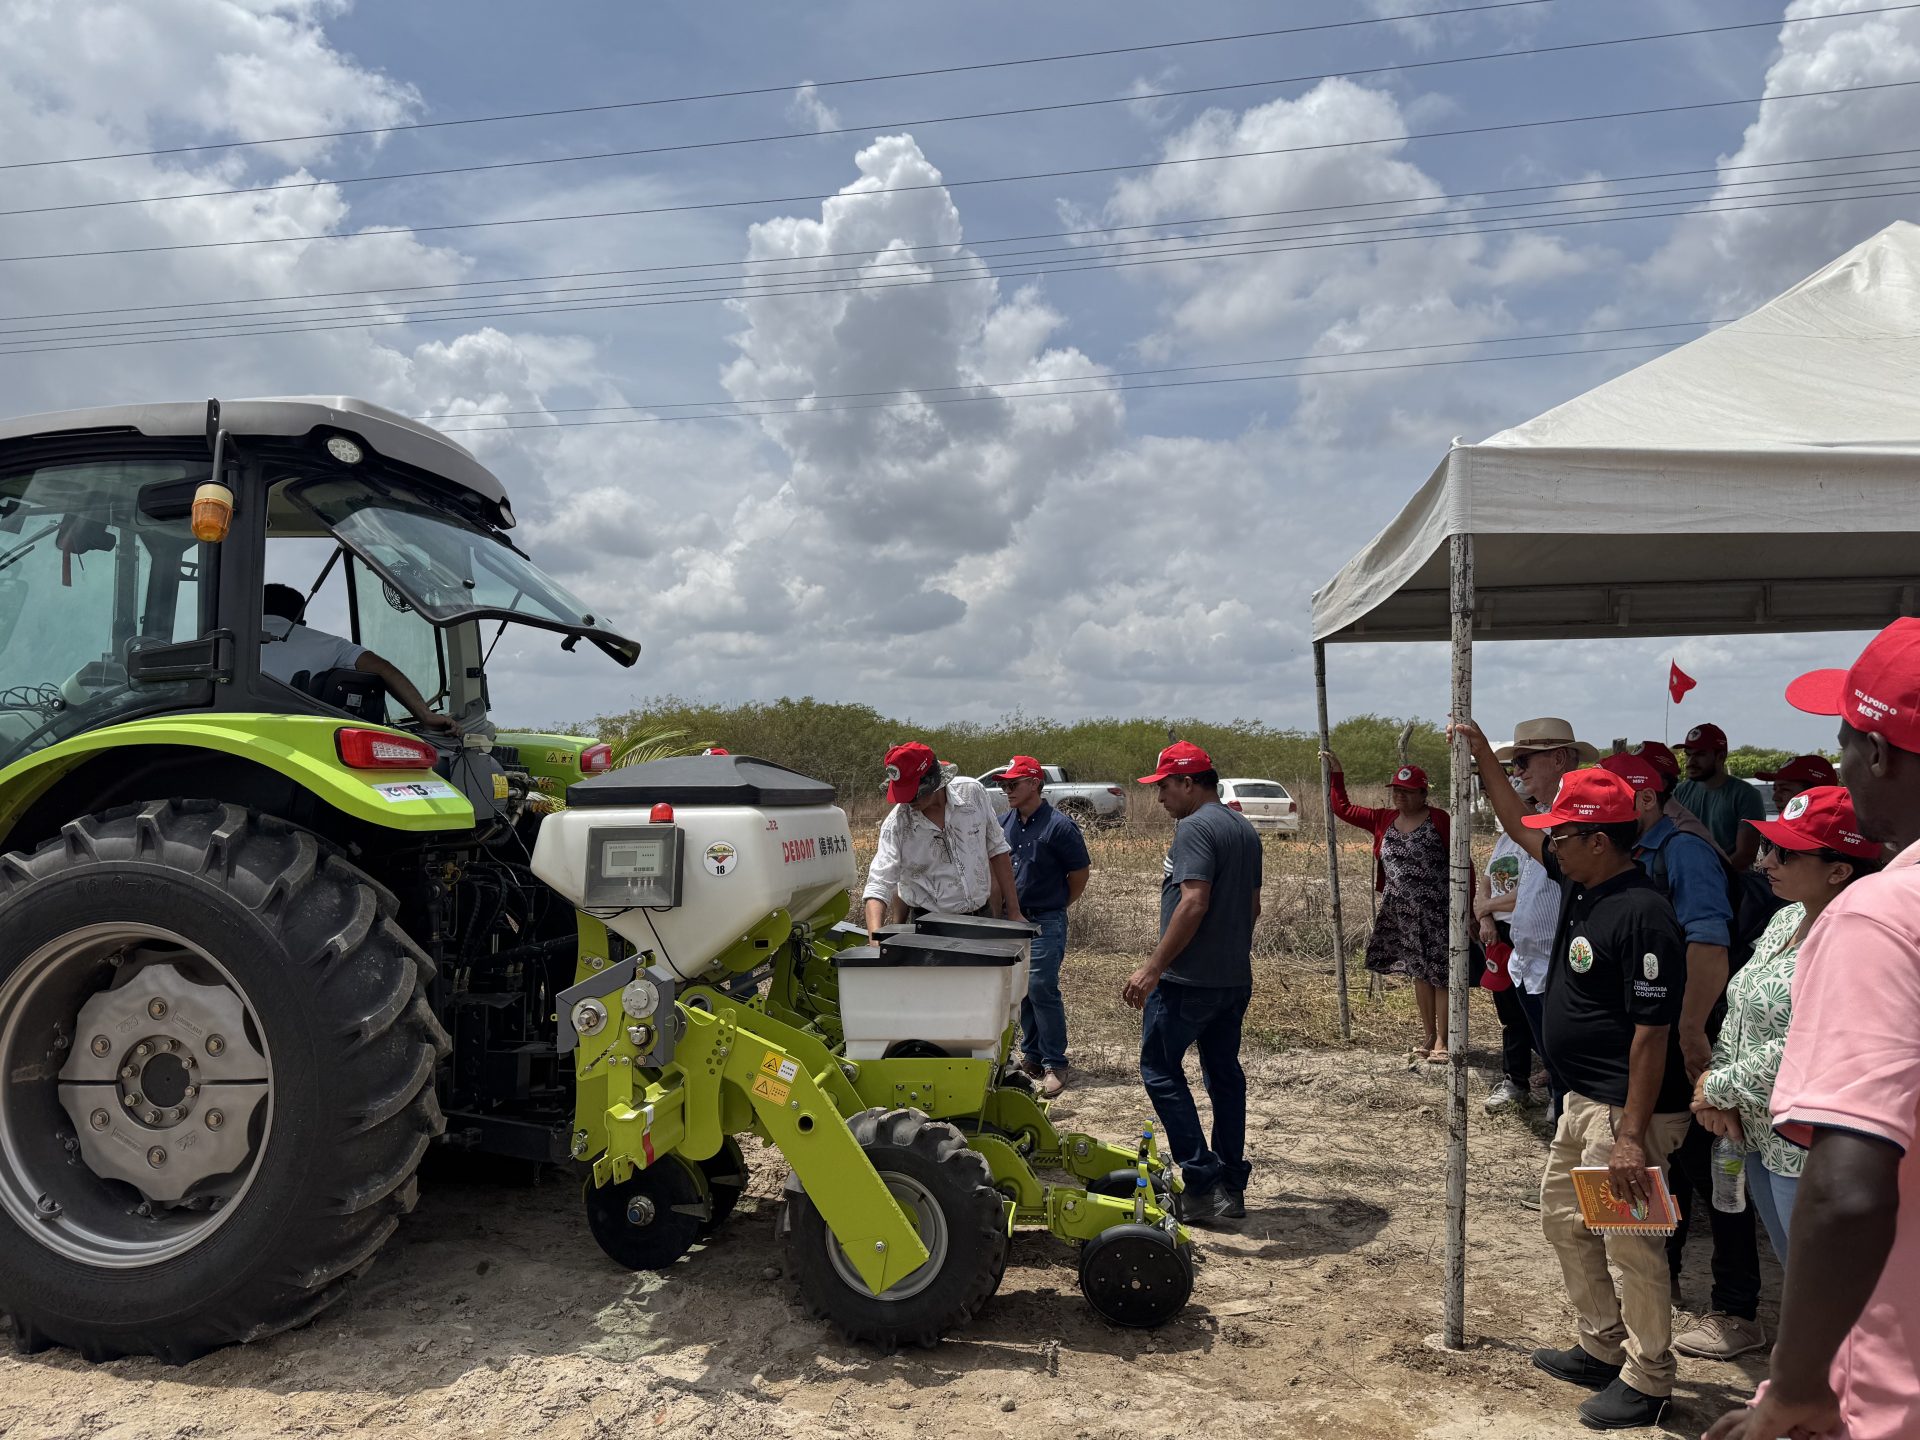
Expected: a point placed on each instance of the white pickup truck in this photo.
(1086, 802)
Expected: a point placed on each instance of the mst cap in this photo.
(1022, 767)
(1180, 758)
(1807, 769)
(1637, 770)
(908, 767)
(1588, 797)
(1408, 777)
(1549, 732)
(1879, 695)
(1660, 757)
(1819, 819)
(1705, 737)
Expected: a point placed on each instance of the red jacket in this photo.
(1377, 821)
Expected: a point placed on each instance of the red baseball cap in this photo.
(1588, 797)
(1022, 767)
(1705, 737)
(1408, 777)
(1658, 755)
(1179, 758)
(907, 766)
(1813, 769)
(1879, 695)
(1637, 770)
(1819, 819)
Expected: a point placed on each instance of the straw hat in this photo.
(1549, 732)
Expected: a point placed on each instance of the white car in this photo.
(1265, 803)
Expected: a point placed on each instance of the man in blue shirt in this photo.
(1050, 869)
(1682, 858)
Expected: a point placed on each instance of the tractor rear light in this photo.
(662, 814)
(596, 758)
(383, 750)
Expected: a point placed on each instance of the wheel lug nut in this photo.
(216, 1045)
(99, 1119)
(169, 1044)
(156, 1157)
(157, 1008)
(143, 1049)
(153, 1117)
(102, 1045)
(126, 1072)
(215, 1119)
(133, 1100)
(191, 1091)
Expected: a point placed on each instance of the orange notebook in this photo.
(1605, 1212)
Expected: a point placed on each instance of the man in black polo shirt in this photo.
(1612, 1009)
(1050, 869)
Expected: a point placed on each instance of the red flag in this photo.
(1679, 682)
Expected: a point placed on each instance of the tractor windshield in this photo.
(443, 562)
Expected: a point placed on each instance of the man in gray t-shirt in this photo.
(1194, 989)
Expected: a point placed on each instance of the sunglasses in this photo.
(1558, 836)
(1825, 856)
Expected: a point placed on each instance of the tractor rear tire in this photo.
(208, 902)
(948, 1190)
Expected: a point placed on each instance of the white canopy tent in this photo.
(1763, 478)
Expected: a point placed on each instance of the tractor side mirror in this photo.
(205, 657)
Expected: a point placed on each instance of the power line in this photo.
(1101, 375)
(1052, 107)
(961, 184)
(803, 260)
(723, 287)
(1100, 390)
(777, 89)
(1550, 223)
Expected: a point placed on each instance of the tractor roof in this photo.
(389, 434)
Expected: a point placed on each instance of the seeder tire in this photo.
(948, 1189)
(654, 1216)
(332, 992)
(1135, 1275)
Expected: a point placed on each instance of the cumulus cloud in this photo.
(807, 108)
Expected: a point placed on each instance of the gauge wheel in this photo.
(947, 1193)
(221, 1061)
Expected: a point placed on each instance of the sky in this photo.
(1004, 489)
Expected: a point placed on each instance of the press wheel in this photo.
(1135, 1275)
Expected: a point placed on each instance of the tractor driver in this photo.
(290, 646)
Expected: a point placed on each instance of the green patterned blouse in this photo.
(1746, 1057)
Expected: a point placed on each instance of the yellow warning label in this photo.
(499, 787)
(768, 1088)
(770, 1065)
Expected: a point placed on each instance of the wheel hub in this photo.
(170, 1063)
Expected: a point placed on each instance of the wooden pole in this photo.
(1333, 841)
(1459, 959)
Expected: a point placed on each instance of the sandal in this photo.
(1438, 1057)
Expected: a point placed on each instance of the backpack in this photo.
(1749, 896)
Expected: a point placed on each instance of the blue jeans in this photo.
(1043, 1014)
(1772, 1197)
(1177, 1018)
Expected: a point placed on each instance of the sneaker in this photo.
(1720, 1336)
(1052, 1082)
(1621, 1407)
(1504, 1094)
(1210, 1209)
(1235, 1207)
(1576, 1367)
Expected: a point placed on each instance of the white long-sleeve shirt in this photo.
(934, 867)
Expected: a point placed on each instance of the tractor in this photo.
(267, 939)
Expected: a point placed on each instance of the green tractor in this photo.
(263, 946)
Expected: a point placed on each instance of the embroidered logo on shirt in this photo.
(1580, 955)
(1650, 965)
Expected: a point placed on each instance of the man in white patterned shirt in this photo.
(941, 846)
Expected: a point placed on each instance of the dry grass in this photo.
(1295, 995)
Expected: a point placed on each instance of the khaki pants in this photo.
(1618, 1283)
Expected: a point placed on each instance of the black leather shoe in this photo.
(1209, 1208)
(1576, 1367)
(1621, 1407)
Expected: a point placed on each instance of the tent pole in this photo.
(1459, 960)
(1333, 845)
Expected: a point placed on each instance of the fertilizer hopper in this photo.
(719, 994)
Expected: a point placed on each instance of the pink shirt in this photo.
(1853, 1063)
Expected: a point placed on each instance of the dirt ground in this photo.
(493, 1314)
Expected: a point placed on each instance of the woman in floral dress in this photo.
(1809, 855)
(1410, 872)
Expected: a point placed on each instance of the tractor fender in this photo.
(299, 748)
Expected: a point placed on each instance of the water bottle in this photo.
(1729, 1176)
